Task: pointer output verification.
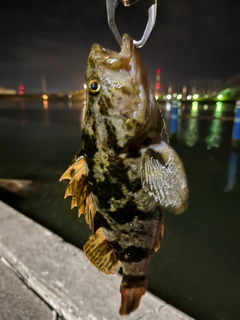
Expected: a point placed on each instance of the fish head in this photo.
(119, 96)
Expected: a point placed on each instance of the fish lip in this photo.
(127, 45)
(112, 59)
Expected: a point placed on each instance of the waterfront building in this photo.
(231, 88)
(4, 90)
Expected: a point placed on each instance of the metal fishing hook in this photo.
(152, 12)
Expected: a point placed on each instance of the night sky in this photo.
(191, 38)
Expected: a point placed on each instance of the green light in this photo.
(219, 106)
(220, 96)
(194, 110)
(215, 134)
(195, 96)
(194, 106)
(191, 135)
(179, 96)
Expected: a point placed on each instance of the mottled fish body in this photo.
(126, 173)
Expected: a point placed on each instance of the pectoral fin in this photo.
(79, 190)
(163, 177)
(101, 254)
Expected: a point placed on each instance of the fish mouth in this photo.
(112, 59)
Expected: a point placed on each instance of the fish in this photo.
(126, 175)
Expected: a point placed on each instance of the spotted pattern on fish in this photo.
(130, 171)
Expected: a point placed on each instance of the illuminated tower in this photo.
(184, 91)
(158, 84)
(170, 88)
(44, 85)
(21, 89)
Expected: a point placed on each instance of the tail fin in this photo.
(131, 296)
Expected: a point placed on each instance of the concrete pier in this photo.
(48, 278)
(17, 301)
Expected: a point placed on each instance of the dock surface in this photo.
(44, 277)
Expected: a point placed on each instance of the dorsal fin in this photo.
(79, 190)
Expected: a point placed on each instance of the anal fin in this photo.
(101, 254)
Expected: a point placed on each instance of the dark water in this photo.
(197, 267)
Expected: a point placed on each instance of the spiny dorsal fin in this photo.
(100, 253)
(79, 190)
(79, 167)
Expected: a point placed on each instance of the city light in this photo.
(156, 97)
(169, 96)
(179, 96)
(158, 71)
(205, 107)
(220, 96)
(21, 89)
(174, 95)
(69, 96)
(195, 96)
(45, 97)
(189, 97)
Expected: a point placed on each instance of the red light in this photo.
(158, 71)
(21, 89)
(158, 85)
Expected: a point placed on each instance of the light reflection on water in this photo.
(232, 171)
(200, 118)
(214, 137)
(45, 104)
(215, 131)
(191, 134)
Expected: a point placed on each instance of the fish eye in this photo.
(94, 86)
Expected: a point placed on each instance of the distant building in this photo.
(231, 88)
(78, 94)
(204, 86)
(194, 85)
(232, 83)
(4, 90)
